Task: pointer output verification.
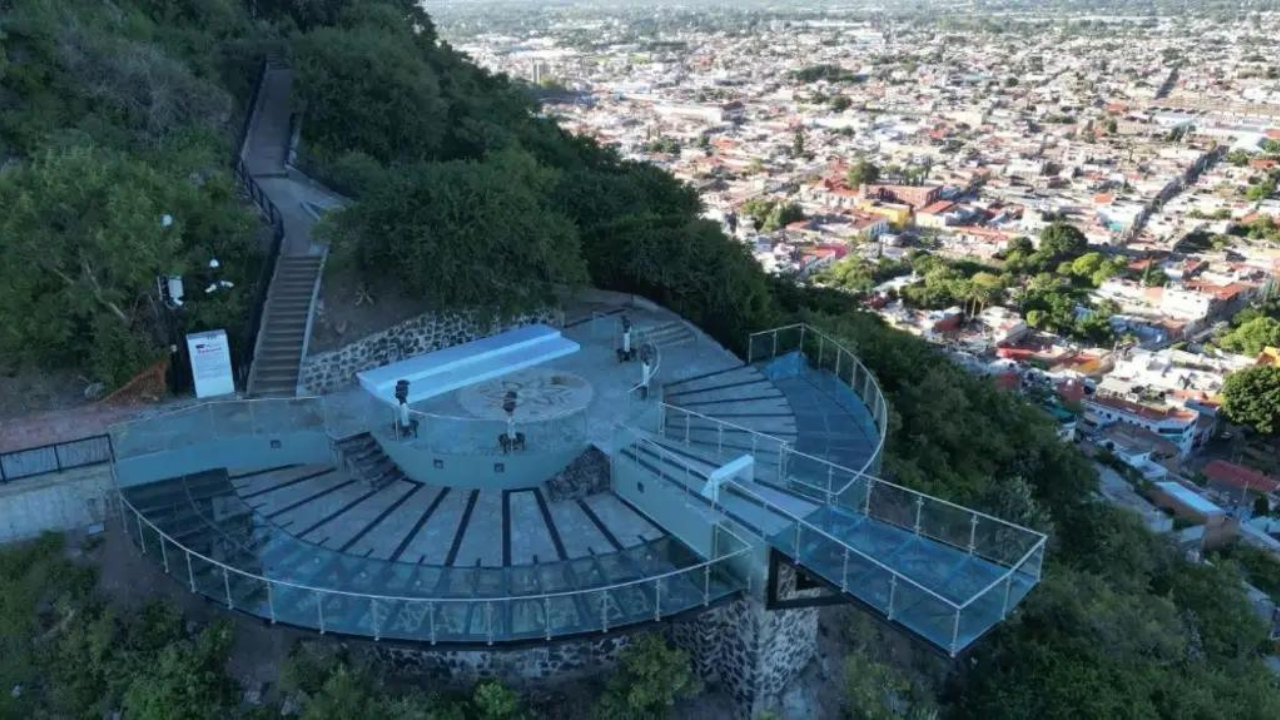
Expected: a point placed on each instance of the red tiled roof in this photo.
(1240, 477)
(1150, 413)
(939, 207)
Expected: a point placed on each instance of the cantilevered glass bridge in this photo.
(591, 506)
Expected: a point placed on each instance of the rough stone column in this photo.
(752, 652)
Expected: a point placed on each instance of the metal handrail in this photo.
(736, 486)
(799, 521)
(1008, 573)
(667, 407)
(443, 600)
(875, 384)
(657, 365)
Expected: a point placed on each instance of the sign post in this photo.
(211, 363)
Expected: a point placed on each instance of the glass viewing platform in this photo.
(325, 513)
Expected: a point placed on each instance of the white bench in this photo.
(442, 371)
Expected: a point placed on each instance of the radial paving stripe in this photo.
(482, 537)
(383, 522)
(263, 483)
(579, 533)
(530, 538)
(431, 544)
(272, 501)
(628, 526)
(356, 519)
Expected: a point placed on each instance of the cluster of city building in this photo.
(834, 139)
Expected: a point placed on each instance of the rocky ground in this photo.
(348, 309)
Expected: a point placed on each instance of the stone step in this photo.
(720, 378)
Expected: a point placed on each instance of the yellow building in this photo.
(899, 216)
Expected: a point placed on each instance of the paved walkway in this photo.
(299, 199)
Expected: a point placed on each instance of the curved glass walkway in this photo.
(205, 535)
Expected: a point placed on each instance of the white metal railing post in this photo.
(546, 616)
(751, 348)
(271, 601)
(822, 347)
(719, 440)
(844, 571)
(142, 537)
(802, 329)
(488, 621)
(164, 554)
(830, 481)
(955, 633)
(799, 529)
(706, 584)
(1008, 589)
(775, 345)
(919, 512)
(604, 611)
(839, 355)
(191, 575)
(320, 608)
(226, 585)
(373, 615)
(687, 423)
(893, 594)
(755, 444)
(431, 621)
(657, 599)
(866, 505)
(973, 532)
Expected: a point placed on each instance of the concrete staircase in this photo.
(664, 335)
(282, 339)
(742, 396)
(365, 460)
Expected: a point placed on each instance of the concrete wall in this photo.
(241, 451)
(518, 470)
(689, 521)
(335, 370)
(56, 502)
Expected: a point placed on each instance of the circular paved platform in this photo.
(540, 394)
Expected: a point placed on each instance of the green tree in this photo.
(494, 701)
(1252, 397)
(651, 677)
(187, 681)
(1253, 336)
(368, 88)
(466, 234)
(81, 244)
(862, 172)
(1061, 241)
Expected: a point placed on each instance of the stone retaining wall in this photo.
(751, 653)
(330, 371)
(69, 500)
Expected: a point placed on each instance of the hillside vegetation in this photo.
(112, 114)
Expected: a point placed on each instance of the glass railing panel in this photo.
(249, 594)
(924, 613)
(295, 606)
(893, 505)
(681, 591)
(569, 614)
(984, 611)
(946, 523)
(1002, 542)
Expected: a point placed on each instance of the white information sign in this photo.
(211, 363)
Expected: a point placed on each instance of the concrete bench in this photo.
(454, 367)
